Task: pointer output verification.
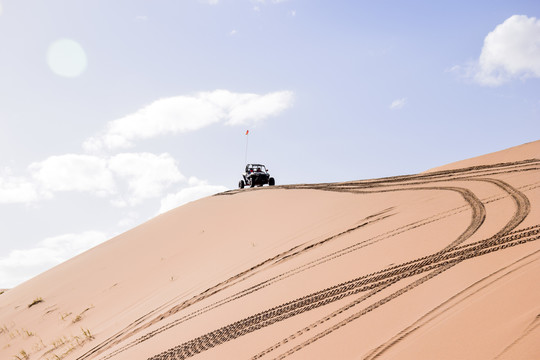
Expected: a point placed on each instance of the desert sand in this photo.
(440, 265)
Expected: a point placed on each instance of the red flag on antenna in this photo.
(247, 132)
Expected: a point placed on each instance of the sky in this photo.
(112, 112)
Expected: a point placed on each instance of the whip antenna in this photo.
(247, 139)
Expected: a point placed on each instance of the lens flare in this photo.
(66, 58)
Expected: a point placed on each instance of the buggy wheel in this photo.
(271, 181)
(241, 184)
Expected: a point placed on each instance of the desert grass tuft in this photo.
(37, 347)
(35, 302)
(87, 334)
(80, 316)
(23, 355)
(28, 333)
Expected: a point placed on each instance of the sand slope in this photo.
(439, 265)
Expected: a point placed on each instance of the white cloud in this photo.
(129, 220)
(256, 3)
(398, 104)
(16, 189)
(21, 265)
(271, 1)
(251, 108)
(197, 190)
(74, 172)
(141, 18)
(172, 115)
(233, 32)
(129, 177)
(147, 175)
(453, 69)
(182, 114)
(210, 2)
(510, 51)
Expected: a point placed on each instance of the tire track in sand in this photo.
(454, 301)
(477, 209)
(376, 282)
(478, 216)
(119, 337)
(153, 317)
(521, 212)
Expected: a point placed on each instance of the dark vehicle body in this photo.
(256, 175)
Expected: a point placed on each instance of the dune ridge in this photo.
(442, 264)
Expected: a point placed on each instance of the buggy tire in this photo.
(241, 184)
(271, 181)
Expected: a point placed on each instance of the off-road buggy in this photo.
(256, 175)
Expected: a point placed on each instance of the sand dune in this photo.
(440, 265)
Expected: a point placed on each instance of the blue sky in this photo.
(114, 111)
